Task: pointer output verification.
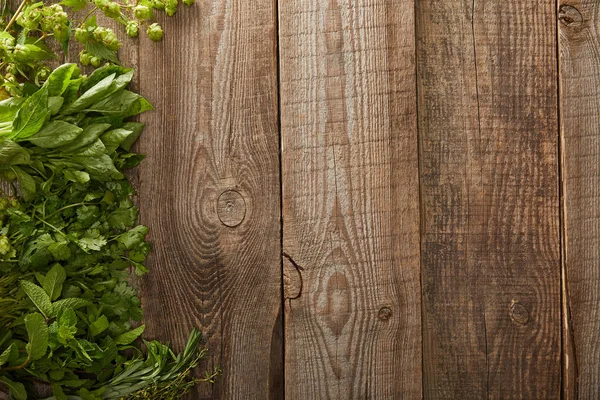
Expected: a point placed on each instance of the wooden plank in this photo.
(580, 133)
(488, 134)
(209, 190)
(350, 199)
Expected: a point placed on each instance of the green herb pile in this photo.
(69, 238)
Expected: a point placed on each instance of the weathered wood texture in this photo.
(487, 107)
(580, 132)
(209, 190)
(350, 199)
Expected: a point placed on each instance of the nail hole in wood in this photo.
(231, 208)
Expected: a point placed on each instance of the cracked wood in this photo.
(488, 116)
(350, 198)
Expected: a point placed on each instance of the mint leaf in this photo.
(99, 325)
(39, 297)
(64, 304)
(37, 331)
(17, 390)
(5, 356)
(129, 337)
(53, 282)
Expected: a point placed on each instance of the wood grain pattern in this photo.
(213, 80)
(580, 130)
(488, 133)
(350, 199)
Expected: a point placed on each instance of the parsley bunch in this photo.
(69, 237)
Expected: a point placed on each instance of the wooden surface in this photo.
(487, 111)
(395, 230)
(350, 199)
(215, 140)
(580, 133)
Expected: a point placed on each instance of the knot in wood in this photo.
(518, 313)
(569, 16)
(231, 208)
(385, 313)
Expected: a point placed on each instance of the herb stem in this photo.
(15, 15)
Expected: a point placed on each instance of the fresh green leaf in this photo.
(131, 336)
(6, 354)
(26, 183)
(60, 78)
(102, 89)
(37, 331)
(113, 139)
(17, 390)
(32, 115)
(89, 135)
(76, 5)
(12, 154)
(55, 103)
(53, 282)
(99, 325)
(100, 50)
(124, 103)
(39, 297)
(55, 134)
(136, 129)
(71, 302)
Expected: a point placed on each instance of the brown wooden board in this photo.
(350, 200)
(209, 190)
(580, 130)
(487, 107)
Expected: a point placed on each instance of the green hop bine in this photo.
(70, 321)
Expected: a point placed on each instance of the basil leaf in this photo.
(102, 89)
(101, 167)
(102, 73)
(136, 128)
(123, 103)
(9, 107)
(55, 134)
(55, 103)
(89, 135)
(26, 183)
(32, 115)
(60, 78)
(113, 139)
(12, 154)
